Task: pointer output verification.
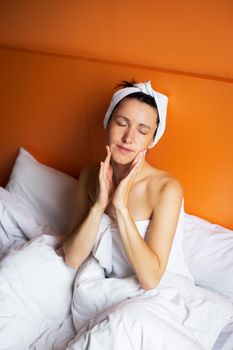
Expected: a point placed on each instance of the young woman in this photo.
(141, 210)
(127, 188)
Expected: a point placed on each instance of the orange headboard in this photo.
(54, 105)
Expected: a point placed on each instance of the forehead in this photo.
(136, 111)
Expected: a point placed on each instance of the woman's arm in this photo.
(79, 244)
(149, 258)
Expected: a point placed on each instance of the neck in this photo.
(120, 171)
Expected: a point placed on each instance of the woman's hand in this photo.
(121, 193)
(105, 181)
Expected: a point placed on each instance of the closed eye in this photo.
(121, 123)
(143, 132)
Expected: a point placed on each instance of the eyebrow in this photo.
(127, 120)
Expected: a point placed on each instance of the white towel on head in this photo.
(160, 100)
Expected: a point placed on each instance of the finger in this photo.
(108, 148)
(110, 173)
(101, 171)
(108, 153)
(139, 157)
(136, 159)
(143, 155)
(133, 171)
(101, 166)
(109, 182)
(107, 159)
(105, 163)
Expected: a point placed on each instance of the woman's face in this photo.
(131, 129)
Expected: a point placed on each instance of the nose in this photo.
(128, 136)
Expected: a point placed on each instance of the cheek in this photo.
(144, 142)
(113, 134)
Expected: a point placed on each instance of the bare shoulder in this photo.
(163, 186)
(88, 174)
(89, 180)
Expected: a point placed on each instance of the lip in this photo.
(124, 149)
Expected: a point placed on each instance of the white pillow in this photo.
(16, 224)
(209, 254)
(48, 194)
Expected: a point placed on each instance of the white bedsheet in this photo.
(36, 290)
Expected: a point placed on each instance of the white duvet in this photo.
(116, 311)
(44, 304)
(35, 284)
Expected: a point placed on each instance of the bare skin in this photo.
(127, 188)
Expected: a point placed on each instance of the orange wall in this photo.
(59, 62)
(189, 36)
(54, 105)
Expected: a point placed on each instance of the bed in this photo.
(36, 208)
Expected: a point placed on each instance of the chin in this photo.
(122, 159)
